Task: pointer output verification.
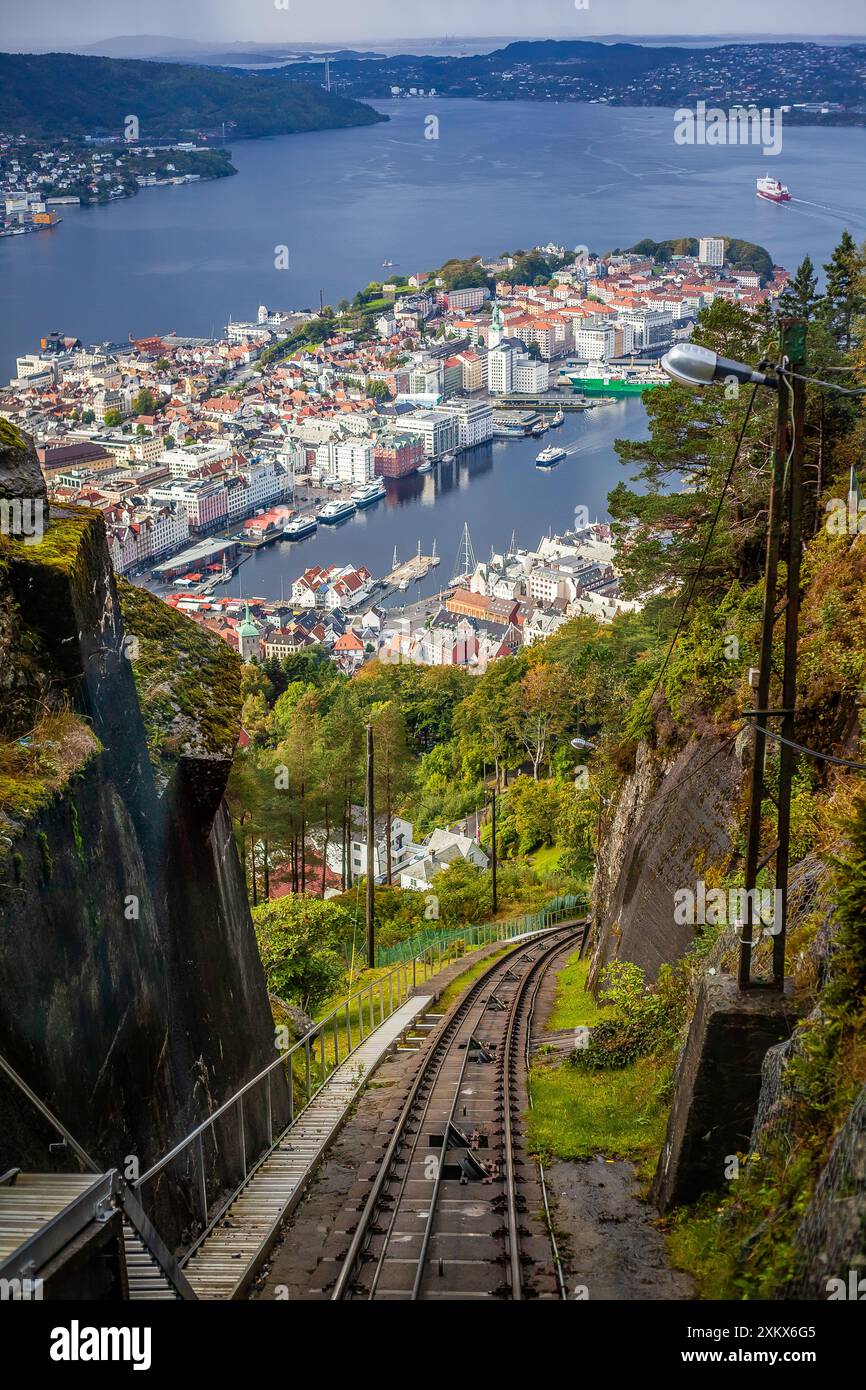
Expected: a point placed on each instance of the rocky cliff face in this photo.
(672, 826)
(133, 1000)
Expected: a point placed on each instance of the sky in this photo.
(55, 23)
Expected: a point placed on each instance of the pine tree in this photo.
(844, 299)
(800, 296)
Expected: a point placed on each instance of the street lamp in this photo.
(690, 365)
(694, 367)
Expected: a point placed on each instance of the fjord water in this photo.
(500, 176)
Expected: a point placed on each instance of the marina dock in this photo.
(418, 567)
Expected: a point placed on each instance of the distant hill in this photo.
(742, 255)
(65, 94)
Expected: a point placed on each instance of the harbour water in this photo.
(500, 176)
(495, 489)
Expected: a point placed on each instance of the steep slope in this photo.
(133, 1000)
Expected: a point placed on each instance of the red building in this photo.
(396, 455)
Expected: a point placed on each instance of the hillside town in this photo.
(39, 178)
(507, 602)
(198, 450)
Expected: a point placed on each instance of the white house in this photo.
(440, 849)
(403, 848)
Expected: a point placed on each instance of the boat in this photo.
(772, 190)
(448, 458)
(368, 493)
(548, 457)
(588, 382)
(335, 511)
(224, 575)
(538, 429)
(299, 526)
(558, 418)
(424, 467)
(386, 265)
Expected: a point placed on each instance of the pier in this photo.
(549, 403)
(418, 567)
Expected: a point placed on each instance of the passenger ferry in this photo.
(368, 493)
(548, 457)
(335, 511)
(772, 190)
(300, 526)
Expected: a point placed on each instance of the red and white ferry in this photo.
(773, 190)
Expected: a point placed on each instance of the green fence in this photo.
(437, 942)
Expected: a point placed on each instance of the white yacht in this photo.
(300, 526)
(338, 510)
(367, 493)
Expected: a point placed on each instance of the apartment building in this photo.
(438, 430)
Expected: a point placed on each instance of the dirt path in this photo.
(609, 1244)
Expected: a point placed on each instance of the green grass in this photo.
(574, 1005)
(546, 859)
(698, 1242)
(578, 1114)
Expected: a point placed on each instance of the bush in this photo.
(645, 1019)
(298, 940)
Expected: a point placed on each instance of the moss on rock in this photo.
(34, 769)
(188, 681)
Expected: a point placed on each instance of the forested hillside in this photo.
(64, 95)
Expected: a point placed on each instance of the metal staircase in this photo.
(44, 1216)
(145, 1278)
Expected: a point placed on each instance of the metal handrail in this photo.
(131, 1208)
(284, 1060)
(81, 1154)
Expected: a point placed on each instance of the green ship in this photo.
(611, 385)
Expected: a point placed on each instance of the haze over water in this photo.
(501, 176)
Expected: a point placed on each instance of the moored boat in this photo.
(368, 493)
(338, 510)
(299, 526)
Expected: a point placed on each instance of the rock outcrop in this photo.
(672, 826)
(133, 999)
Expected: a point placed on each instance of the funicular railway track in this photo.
(457, 1209)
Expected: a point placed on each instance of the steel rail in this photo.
(537, 971)
(548, 1218)
(435, 1058)
(428, 1076)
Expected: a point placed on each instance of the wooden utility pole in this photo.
(493, 859)
(785, 499)
(371, 856)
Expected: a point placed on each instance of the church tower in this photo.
(497, 328)
(248, 638)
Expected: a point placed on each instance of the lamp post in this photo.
(494, 894)
(696, 367)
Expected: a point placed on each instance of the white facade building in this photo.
(500, 370)
(438, 430)
(474, 422)
(530, 377)
(353, 460)
(711, 250)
